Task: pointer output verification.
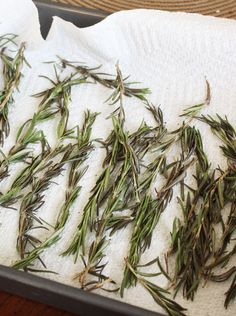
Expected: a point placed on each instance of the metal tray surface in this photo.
(81, 17)
(40, 289)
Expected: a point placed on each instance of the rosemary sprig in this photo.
(222, 128)
(96, 251)
(140, 141)
(76, 157)
(149, 210)
(148, 213)
(34, 199)
(83, 141)
(54, 100)
(193, 240)
(122, 175)
(91, 208)
(103, 79)
(27, 262)
(12, 67)
(192, 111)
(157, 292)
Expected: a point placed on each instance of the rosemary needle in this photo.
(7, 38)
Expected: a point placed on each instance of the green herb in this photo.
(148, 212)
(75, 155)
(194, 240)
(103, 79)
(91, 209)
(158, 293)
(83, 142)
(27, 262)
(34, 199)
(96, 251)
(7, 38)
(12, 67)
(120, 156)
(54, 100)
(192, 111)
(225, 132)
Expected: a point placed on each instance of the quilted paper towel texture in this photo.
(172, 53)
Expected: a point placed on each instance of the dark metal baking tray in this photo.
(50, 292)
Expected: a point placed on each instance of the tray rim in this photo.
(72, 8)
(33, 287)
(55, 293)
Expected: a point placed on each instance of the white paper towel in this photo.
(172, 53)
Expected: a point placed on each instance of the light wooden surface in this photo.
(223, 8)
(11, 305)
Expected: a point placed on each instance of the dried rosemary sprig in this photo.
(192, 111)
(122, 176)
(103, 79)
(194, 241)
(141, 141)
(96, 251)
(83, 141)
(27, 262)
(148, 212)
(83, 148)
(55, 100)
(34, 199)
(158, 293)
(12, 67)
(222, 128)
(91, 208)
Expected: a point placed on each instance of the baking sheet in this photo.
(184, 72)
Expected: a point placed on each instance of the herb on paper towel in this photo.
(103, 79)
(82, 149)
(194, 241)
(158, 293)
(12, 67)
(54, 100)
(91, 209)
